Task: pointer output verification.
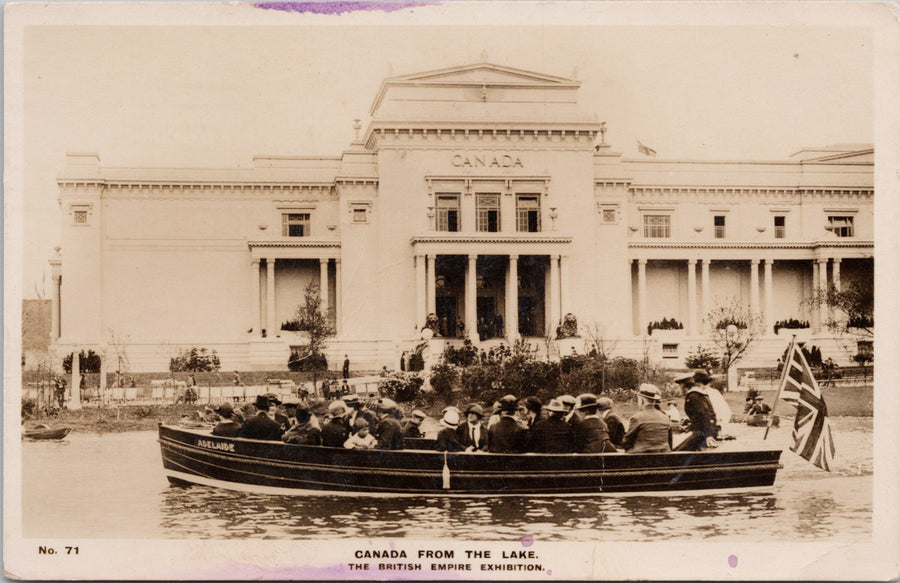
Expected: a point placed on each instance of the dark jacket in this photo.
(551, 435)
(261, 427)
(303, 434)
(411, 430)
(463, 432)
(448, 440)
(592, 436)
(227, 428)
(389, 434)
(649, 431)
(701, 414)
(616, 429)
(335, 433)
(506, 436)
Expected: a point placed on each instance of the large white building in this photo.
(479, 193)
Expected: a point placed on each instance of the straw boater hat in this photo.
(604, 403)
(684, 377)
(450, 419)
(351, 399)
(418, 415)
(337, 409)
(649, 392)
(556, 406)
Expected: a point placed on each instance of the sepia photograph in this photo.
(445, 290)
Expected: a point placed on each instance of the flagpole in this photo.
(784, 373)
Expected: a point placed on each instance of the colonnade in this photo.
(819, 281)
(426, 300)
(264, 318)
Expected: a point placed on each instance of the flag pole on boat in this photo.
(446, 473)
(784, 373)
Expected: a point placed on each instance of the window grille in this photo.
(657, 226)
(487, 212)
(448, 212)
(528, 213)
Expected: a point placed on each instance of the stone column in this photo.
(814, 310)
(472, 299)
(692, 297)
(421, 293)
(323, 285)
(706, 300)
(512, 299)
(54, 309)
(836, 283)
(642, 297)
(270, 297)
(768, 315)
(555, 313)
(565, 286)
(430, 282)
(255, 324)
(823, 285)
(754, 286)
(338, 297)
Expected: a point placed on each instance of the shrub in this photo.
(87, 362)
(702, 357)
(790, 324)
(665, 324)
(479, 378)
(401, 386)
(463, 356)
(444, 377)
(581, 374)
(194, 360)
(623, 373)
(302, 360)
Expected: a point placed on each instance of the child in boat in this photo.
(362, 439)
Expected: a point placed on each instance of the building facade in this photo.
(481, 199)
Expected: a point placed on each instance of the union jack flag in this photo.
(812, 432)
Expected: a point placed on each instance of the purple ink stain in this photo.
(549, 572)
(527, 540)
(732, 561)
(341, 7)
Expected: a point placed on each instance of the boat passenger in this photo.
(569, 402)
(210, 416)
(759, 407)
(228, 426)
(472, 434)
(552, 434)
(389, 433)
(532, 411)
(261, 426)
(495, 415)
(303, 432)
(752, 393)
(699, 410)
(352, 403)
(649, 430)
(591, 433)
(336, 432)
(412, 428)
(507, 436)
(447, 438)
(613, 422)
(673, 413)
(361, 439)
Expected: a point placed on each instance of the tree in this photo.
(87, 362)
(733, 328)
(194, 360)
(702, 357)
(852, 306)
(602, 346)
(317, 327)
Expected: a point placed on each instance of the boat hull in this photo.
(46, 434)
(191, 456)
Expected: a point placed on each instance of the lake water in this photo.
(101, 486)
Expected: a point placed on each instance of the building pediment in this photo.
(484, 73)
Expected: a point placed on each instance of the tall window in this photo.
(841, 226)
(779, 227)
(719, 226)
(487, 212)
(295, 225)
(528, 213)
(448, 212)
(657, 226)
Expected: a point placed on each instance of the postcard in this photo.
(450, 290)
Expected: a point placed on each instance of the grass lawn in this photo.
(841, 401)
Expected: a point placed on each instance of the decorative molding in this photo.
(307, 243)
(493, 239)
(718, 193)
(749, 244)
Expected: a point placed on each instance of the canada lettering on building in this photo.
(486, 161)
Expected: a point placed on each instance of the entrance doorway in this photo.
(490, 323)
(446, 312)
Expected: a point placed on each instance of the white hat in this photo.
(649, 392)
(450, 419)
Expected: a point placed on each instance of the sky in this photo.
(215, 96)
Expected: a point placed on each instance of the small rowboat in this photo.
(44, 432)
(192, 456)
